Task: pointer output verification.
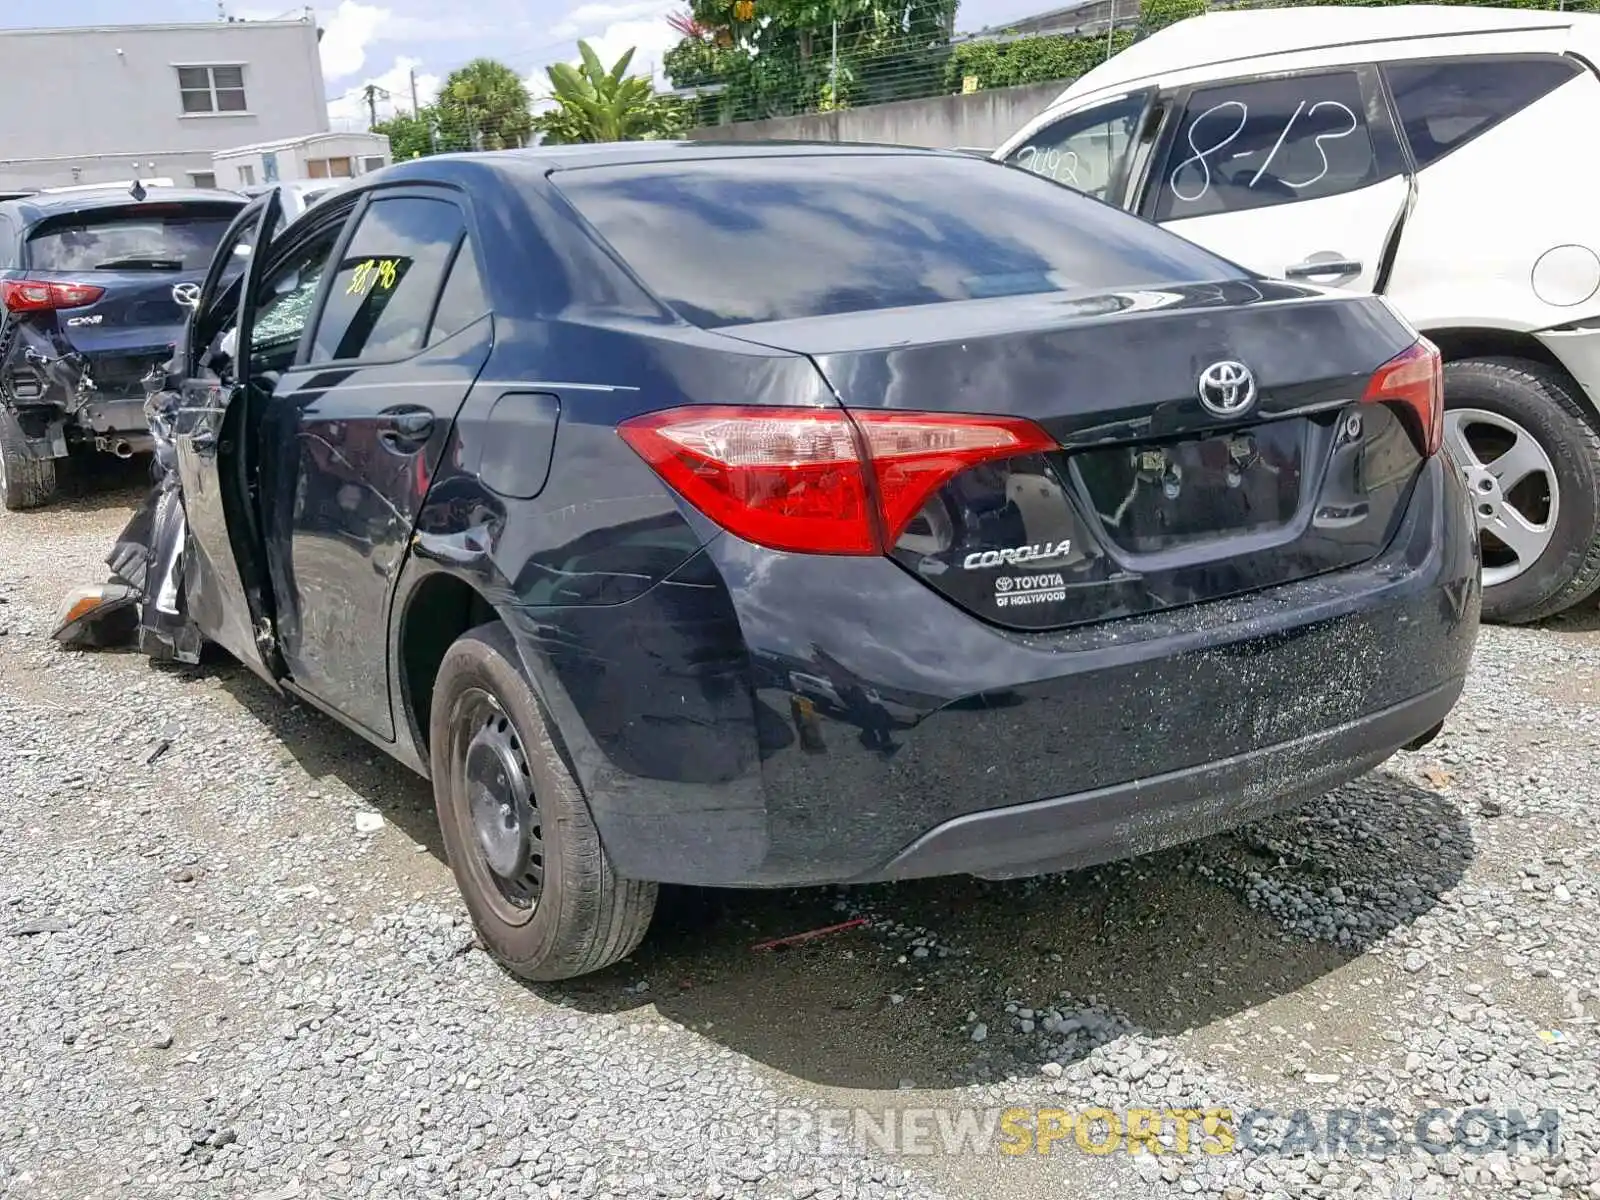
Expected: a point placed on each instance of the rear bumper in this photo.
(762, 719)
(1143, 815)
(59, 402)
(116, 426)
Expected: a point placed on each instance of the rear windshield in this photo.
(144, 239)
(737, 240)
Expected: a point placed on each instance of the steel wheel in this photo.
(489, 767)
(1515, 494)
(543, 893)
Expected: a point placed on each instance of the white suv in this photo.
(1435, 155)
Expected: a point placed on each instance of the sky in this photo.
(383, 41)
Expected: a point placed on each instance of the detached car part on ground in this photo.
(95, 286)
(777, 516)
(1366, 149)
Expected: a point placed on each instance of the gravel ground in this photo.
(232, 964)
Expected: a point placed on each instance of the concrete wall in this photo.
(99, 99)
(981, 120)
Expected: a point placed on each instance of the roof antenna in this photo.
(137, 191)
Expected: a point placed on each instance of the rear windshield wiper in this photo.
(141, 264)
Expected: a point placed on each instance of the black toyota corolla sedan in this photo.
(784, 515)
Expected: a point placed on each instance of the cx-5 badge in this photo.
(1227, 388)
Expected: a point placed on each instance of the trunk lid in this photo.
(1151, 500)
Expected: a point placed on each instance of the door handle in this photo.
(405, 430)
(1315, 268)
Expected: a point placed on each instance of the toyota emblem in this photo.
(1227, 388)
(186, 294)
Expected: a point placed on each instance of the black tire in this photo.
(1546, 403)
(584, 917)
(25, 482)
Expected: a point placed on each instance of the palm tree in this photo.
(599, 105)
(487, 103)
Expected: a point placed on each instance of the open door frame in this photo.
(225, 579)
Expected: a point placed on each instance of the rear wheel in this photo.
(25, 481)
(1524, 442)
(526, 855)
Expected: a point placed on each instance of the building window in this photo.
(211, 89)
(247, 175)
(373, 162)
(203, 179)
(329, 168)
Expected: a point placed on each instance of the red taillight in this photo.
(797, 478)
(35, 295)
(1414, 378)
(914, 454)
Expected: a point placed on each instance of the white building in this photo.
(104, 103)
(314, 156)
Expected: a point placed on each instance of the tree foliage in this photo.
(426, 132)
(777, 57)
(1030, 59)
(1158, 14)
(487, 101)
(597, 104)
(409, 136)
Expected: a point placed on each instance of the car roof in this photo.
(517, 167)
(543, 159)
(1217, 38)
(31, 209)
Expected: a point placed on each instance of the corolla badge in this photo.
(186, 294)
(1016, 555)
(1226, 388)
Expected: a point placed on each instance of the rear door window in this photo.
(1087, 150)
(462, 302)
(1445, 103)
(1258, 142)
(733, 240)
(150, 237)
(383, 296)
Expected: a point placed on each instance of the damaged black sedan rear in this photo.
(95, 286)
(771, 515)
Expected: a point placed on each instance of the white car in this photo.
(1427, 153)
(297, 195)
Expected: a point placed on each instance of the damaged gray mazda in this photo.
(784, 515)
(95, 285)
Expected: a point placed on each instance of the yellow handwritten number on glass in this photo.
(372, 273)
(362, 279)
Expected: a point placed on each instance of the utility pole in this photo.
(372, 105)
(416, 109)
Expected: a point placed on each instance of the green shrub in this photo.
(1029, 59)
